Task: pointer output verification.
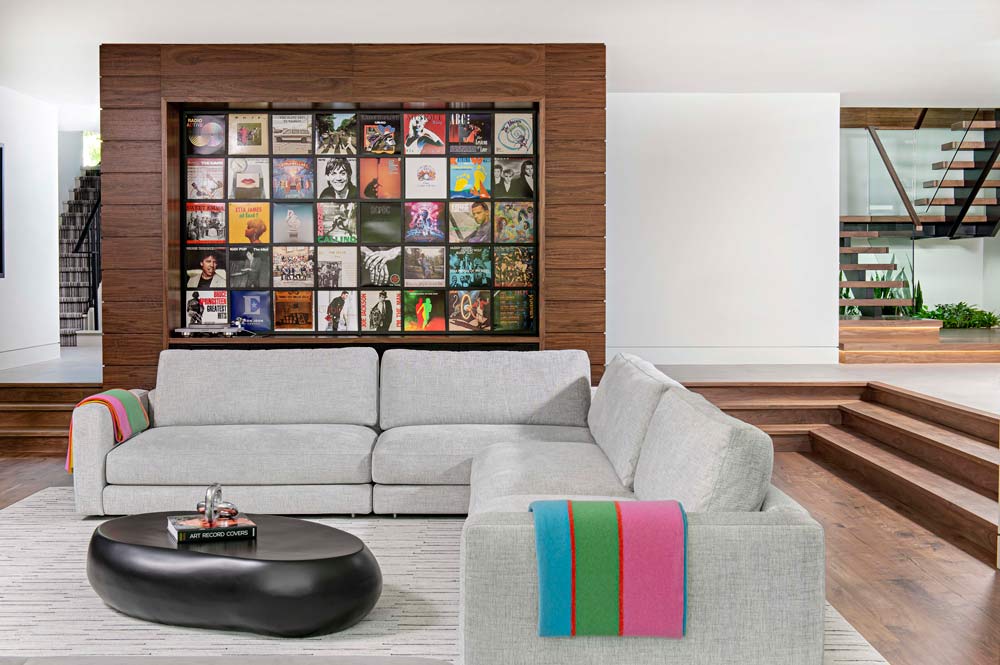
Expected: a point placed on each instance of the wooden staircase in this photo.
(940, 459)
(75, 270)
(35, 418)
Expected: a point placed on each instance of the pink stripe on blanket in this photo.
(652, 568)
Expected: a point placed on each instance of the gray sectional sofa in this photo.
(483, 433)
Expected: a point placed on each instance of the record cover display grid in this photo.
(434, 212)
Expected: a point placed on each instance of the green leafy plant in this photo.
(918, 302)
(845, 294)
(960, 315)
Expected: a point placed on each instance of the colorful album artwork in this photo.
(424, 311)
(470, 311)
(292, 267)
(425, 133)
(470, 177)
(469, 267)
(337, 311)
(381, 311)
(248, 178)
(337, 223)
(515, 133)
(206, 134)
(381, 265)
(205, 267)
(513, 178)
(294, 178)
(249, 266)
(513, 311)
(381, 222)
(252, 310)
(426, 177)
(380, 133)
(249, 223)
(514, 266)
(205, 178)
(292, 223)
(514, 222)
(424, 221)
(205, 223)
(337, 134)
(293, 311)
(292, 133)
(380, 178)
(337, 177)
(336, 267)
(423, 266)
(469, 222)
(470, 133)
(248, 134)
(206, 307)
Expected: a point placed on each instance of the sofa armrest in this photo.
(146, 399)
(93, 438)
(755, 595)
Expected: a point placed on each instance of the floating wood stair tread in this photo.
(974, 125)
(950, 184)
(876, 302)
(859, 267)
(966, 145)
(950, 202)
(864, 250)
(874, 285)
(898, 219)
(859, 234)
(901, 468)
(960, 165)
(969, 219)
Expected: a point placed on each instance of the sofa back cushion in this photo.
(275, 386)
(698, 455)
(484, 387)
(622, 407)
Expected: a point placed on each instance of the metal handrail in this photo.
(970, 200)
(92, 231)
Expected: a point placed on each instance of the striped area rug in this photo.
(47, 608)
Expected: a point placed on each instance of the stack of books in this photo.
(195, 529)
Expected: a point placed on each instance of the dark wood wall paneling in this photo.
(141, 289)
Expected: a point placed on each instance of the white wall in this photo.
(722, 227)
(29, 292)
(70, 161)
(991, 274)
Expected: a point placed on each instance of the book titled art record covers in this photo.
(194, 529)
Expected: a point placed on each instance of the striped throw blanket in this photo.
(611, 568)
(127, 414)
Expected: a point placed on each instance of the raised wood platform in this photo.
(907, 341)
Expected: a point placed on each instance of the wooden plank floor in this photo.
(918, 599)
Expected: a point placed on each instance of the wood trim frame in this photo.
(142, 84)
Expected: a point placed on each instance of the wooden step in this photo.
(966, 459)
(951, 184)
(969, 219)
(864, 250)
(35, 415)
(962, 513)
(945, 353)
(40, 441)
(897, 219)
(980, 424)
(47, 393)
(874, 285)
(783, 411)
(944, 201)
(791, 438)
(937, 345)
(958, 165)
(966, 145)
(858, 267)
(876, 302)
(973, 125)
(859, 234)
(719, 392)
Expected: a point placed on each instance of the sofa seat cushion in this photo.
(506, 469)
(707, 460)
(442, 454)
(244, 455)
(519, 503)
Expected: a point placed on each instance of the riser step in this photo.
(976, 423)
(40, 393)
(31, 416)
(791, 438)
(785, 414)
(33, 441)
(864, 250)
(720, 392)
(945, 355)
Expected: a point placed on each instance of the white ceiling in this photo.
(873, 52)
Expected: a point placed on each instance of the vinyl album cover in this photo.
(292, 223)
(425, 133)
(249, 266)
(381, 265)
(337, 177)
(470, 133)
(293, 310)
(336, 267)
(206, 135)
(515, 266)
(426, 178)
(381, 311)
(424, 311)
(469, 311)
(205, 267)
(337, 311)
(248, 178)
(513, 311)
(205, 178)
(380, 133)
(337, 134)
(337, 222)
(424, 221)
(423, 266)
(380, 178)
(292, 267)
(513, 178)
(206, 307)
(514, 222)
(205, 223)
(254, 308)
(470, 177)
(249, 223)
(294, 178)
(381, 222)
(292, 133)
(469, 267)
(248, 134)
(515, 133)
(469, 222)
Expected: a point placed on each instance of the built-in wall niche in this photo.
(337, 220)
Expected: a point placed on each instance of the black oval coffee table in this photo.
(298, 578)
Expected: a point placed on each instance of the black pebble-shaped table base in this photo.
(298, 578)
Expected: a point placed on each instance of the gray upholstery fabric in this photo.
(622, 407)
(487, 387)
(93, 438)
(755, 596)
(244, 455)
(274, 499)
(420, 499)
(698, 455)
(274, 386)
(220, 660)
(505, 469)
(442, 454)
(519, 503)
